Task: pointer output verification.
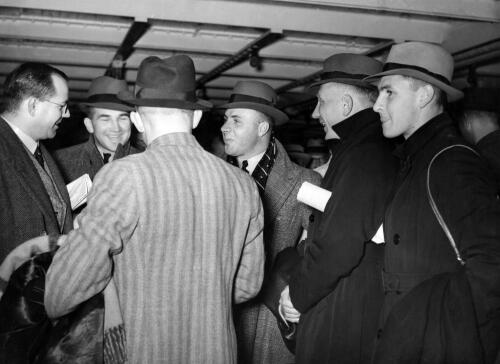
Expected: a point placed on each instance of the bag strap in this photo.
(434, 207)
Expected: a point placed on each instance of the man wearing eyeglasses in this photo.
(33, 197)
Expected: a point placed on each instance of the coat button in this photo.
(311, 218)
(395, 239)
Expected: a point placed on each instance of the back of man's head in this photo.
(28, 80)
(476, 124)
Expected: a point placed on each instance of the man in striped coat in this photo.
(178, 229)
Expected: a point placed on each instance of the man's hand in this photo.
(287, 311)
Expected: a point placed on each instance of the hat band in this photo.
(394, 66)
(154, 93)
(103, 98)
(248, 98)
(338, 74)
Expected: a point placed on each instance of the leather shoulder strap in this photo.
(434, 207)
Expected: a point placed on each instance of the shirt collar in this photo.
(28, 141)
(252, 162)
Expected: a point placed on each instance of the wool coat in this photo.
(83, 158)
(447, 307)
(337, 286)
(25, 208)
(489, 148)
(259, 338)
(180, 232)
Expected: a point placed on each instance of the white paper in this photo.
(78, 190)
(313, 196)
(378, 238)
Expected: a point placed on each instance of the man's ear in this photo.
(425, 95)
(263, 128)
(196, 118)
(88, 125)
(135, 118)
(347, 104)
(31, 104)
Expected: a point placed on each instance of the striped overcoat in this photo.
(184, 231)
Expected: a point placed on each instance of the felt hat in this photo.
(103, 93)
(168, 82)
(258, 96)
(349, 68)
(424, 61)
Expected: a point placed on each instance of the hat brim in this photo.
(171, 103)
(279, 117)
(347, 81)
(452, 93)
(108, 105)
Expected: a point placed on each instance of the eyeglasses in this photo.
(62, 107)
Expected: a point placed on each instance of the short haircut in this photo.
(267, 119)
(368, 93)
(480, 116)
(440, 95)
(28, 80)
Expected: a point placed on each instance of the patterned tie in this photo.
(105, 157)
(39, 156)
(244, 166)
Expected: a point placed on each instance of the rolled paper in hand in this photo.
(313, 196)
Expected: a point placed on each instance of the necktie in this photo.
(105, 157)
(244, 166)
(38, 155)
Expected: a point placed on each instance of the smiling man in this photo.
(108, 123)
(441, 271)
(248, 135)
(33, 197)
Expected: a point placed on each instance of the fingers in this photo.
(286, 307)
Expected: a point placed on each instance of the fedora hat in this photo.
(168, 82)
(349, 68)
(427, 62)
(103, 93)
(258, 96)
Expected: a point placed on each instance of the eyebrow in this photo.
(383, 87)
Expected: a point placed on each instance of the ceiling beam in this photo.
(117, 66)
(242, 55)
(382, 47)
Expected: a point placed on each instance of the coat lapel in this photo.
(280, 184)
(61, 187)
(26, 172)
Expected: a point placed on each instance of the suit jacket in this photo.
(84, 158)
(180, 231)
(25, 208)
(284, 218)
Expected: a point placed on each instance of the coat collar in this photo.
(185, 138)
(28, 176)
(422, 136)
(349, 128)
(280, 184)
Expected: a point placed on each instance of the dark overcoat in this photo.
(489, 148)
(259, 338)
(427, 291)
(25, 208)
(83, 158)
(337, 286)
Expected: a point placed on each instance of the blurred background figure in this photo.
(478, 121)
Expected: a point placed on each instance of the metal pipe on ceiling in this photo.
(242, 55)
